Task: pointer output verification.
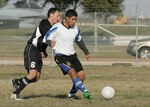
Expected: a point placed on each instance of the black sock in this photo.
(18, 81)
(23, 83)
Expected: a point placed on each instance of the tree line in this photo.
(106, 7)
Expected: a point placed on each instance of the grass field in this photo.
(86, 30)
(13, 47)
(130, 83)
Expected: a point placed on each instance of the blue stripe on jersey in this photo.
(64, 67)
(50, 31)
(76, 39)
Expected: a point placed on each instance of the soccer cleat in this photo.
(16, 97)
(87, 95)
(72, 96)
(15, 86)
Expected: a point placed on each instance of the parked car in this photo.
(142, 46)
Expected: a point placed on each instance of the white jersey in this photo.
(64, 38)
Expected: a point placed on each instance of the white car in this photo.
(142, 46)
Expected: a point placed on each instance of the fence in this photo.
(107, 38)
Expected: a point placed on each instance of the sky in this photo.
(143, 7)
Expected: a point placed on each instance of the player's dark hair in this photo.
(71, 13)
(52, 10)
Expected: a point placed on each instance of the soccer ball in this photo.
(108, 92)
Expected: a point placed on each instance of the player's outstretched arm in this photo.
(88, 57)
(82, 47)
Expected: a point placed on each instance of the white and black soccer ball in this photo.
(108, 92)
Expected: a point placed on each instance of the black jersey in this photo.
(37, 37)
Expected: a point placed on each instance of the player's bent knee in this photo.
(34, 80)
(81, 75)
(32, 74)
(73, 72)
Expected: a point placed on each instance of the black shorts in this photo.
(68, 62)
(32, 58)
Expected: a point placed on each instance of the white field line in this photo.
(107, 31)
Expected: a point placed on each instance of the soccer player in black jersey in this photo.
(34, 51)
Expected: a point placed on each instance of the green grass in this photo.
(12, 48)
(86, 30)
(16, 32)
(126, 30)
(118, 30)
(130, 83)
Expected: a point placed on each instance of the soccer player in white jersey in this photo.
(61, 38)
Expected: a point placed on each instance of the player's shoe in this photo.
(87, 95)
(73, 96)
(16, 97)
(15, 86)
